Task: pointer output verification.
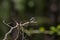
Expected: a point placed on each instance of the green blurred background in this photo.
(46, 12)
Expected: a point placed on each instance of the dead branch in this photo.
(10, 31)
(21, 26)
(6, 24)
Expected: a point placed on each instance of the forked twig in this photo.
(6, 24)
(10, 31)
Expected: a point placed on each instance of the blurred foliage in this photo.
(42, 29)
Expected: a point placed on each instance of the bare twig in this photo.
(17, 34)
(10, 31)
(6, 23)
(21, 25)
(26, 23)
